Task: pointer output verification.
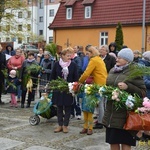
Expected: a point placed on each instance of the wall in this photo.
(82, 37)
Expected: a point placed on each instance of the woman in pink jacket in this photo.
(14, 63)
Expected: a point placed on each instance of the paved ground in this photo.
(16, 133)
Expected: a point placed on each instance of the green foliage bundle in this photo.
(59, 84)
(52, 48)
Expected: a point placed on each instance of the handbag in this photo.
(136, 121)
(89, 80)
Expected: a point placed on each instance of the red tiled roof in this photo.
(87, 2)
(104, 13)
(69, 2)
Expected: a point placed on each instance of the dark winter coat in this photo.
(2, 66)
(24, 73)
(116, 118)
(63, 98)
(110, 61)
(12, 52)
(146, 78)
(12, 88)
(47, 65)
(78, 61)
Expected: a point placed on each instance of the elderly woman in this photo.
(97, 69)
(113, 119)
(66, 69)
(47, 65)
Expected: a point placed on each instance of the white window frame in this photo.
(104, 38)
(51, 13)
(69, 13)
(41, 19)
(87, 11)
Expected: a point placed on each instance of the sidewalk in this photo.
(16, 133)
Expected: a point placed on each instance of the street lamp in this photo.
(143, 27)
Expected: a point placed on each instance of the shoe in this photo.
(18, 100)
(58, 129)
(78, 117)
(89, 132)
(28, 106)
(95, 117)
(84, 131)
(22, 105)
(98, 126)
(2, 103)
(65, 129)
(96, 121)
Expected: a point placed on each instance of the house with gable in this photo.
(82, 22)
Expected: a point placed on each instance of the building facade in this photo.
(31, 23)
(82, 22)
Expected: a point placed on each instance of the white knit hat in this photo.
(127, 54)
(12, 73)
(146, 55)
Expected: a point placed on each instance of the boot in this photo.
(84, 131)
(65, 129)
(89, 132)
(58, 129)
(28, 104)
(22, 105)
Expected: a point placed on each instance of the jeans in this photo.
(19, 91)
(76, 107)
(101, 108)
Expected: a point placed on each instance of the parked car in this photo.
(31, 48)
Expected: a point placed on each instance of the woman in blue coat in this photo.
(67, 70)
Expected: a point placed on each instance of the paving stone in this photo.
(39, 148)
(6, 143)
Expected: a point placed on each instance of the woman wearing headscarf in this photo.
(114, 119)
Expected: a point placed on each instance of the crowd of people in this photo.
(103, 66)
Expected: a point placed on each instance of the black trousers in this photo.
(63, 115)
(31, 96)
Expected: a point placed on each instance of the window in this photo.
(19, 40)
(87, 12)
(29, 2)
(41, 19)
(7, 39)
(19, 27)
(28, 39)
(29, 14)
(29, 27)
(7, 28)
(51, 12)
(103, 38)
(69, 13)
(40, 32)
(41, 4)
(20, 14)
(51, 1)
(50, 39)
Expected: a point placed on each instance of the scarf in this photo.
(64, 66)
(30, 60)
(120, 68)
